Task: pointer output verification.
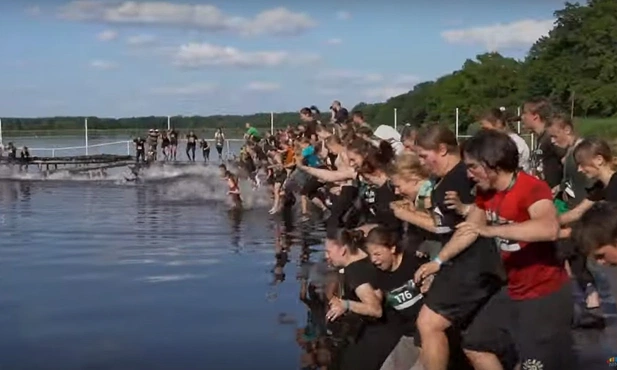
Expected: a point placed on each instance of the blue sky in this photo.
(132, 58)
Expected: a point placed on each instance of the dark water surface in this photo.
(119, 277)
(157, 276)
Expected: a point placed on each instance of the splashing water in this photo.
(179, 183)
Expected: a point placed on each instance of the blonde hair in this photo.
(408, 165)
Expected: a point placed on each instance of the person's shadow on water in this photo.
(235, 222)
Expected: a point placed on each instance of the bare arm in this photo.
(461, 239)
(543, 225)
(575, 213)
(329, 176)
(415, 217)
(370, 301)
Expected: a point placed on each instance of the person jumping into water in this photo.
(234, 190)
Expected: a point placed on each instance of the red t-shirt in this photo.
(533, 268)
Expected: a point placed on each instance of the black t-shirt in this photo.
(447, 219)
(173, 137)
(311, 129)
(191, 139)
(341, 115)
(403, 299)
(599, 192)
(356, 274)
(482, 257)
(377, 201)
(546, 161)
(139, 144)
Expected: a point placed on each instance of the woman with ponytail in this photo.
(358, 301)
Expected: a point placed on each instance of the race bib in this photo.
(403, 297)
(438, 218)
(507, 245)
(568, 190)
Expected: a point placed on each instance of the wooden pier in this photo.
(87, 164)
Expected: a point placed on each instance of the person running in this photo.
(309, 117)
(496, 119)
(360, 302)
(233, 191)
(403, 298)
(205, 149)
(140, 149)
(219, 142)
(191, 144)
(173, 144)
(468, 288)
(252, 135)
(573, 191)
(545, 157)
(516, 209)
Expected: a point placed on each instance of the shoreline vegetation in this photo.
(574, 66)
(603, 127)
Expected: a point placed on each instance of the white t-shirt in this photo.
(523, 152)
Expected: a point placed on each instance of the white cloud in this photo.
(33, 10)
(347, 77)
(334, 41)
(277, 21)
(263, 86)
(188, 90)
(107, 35)
(382, 93)
(141, 40)
(343, 15)
(103, 64)
(500, 36)
(196, 55)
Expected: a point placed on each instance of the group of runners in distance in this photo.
(450, 255)
(146, 148)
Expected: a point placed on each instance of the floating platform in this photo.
(87, 164)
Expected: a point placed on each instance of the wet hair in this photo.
(540, 106)
(432, 136)
(493, 149)
(222, 167)
(596, 228)
(383, 236)
(358, 114)
(378, 158)
(352, 239)
(562, 120)
(593, 147)
(407, 165)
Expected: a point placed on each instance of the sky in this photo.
(141, 58)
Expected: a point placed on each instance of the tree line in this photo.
(575, 66)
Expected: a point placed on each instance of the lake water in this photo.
(160, 275)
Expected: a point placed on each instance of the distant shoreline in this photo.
(207, 133)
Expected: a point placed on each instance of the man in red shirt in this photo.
(516, 209)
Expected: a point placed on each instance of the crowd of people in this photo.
(450, 255)
(146, 148)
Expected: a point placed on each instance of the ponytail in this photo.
(352, 239)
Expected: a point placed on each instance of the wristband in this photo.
(346, 305)
(438, 261)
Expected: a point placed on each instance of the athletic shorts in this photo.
(541, 331)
